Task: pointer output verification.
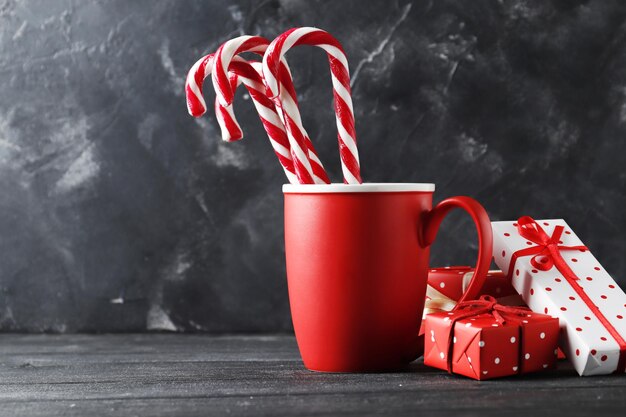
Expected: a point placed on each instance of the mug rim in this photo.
(369, 187)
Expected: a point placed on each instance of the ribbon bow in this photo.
(547, 252)
(487, 304)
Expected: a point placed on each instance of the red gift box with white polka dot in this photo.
(446, 286)
(482, 348)
(591, 308)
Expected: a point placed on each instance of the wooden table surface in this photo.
(199, 375)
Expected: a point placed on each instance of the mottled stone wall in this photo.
(119, 212)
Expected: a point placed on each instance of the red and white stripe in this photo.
(231, 131)
(269, 118)
(297, 132)
(251, 78)
(341, 91)
(225, 115)
(223, 57)
(308, 166)
(319, 173)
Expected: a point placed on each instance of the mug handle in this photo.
(432, 221)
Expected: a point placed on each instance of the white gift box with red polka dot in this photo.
(588, 343)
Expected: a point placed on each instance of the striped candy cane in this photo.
(225, 115)
(267, 113)
(224, 55)
(341, 89)
(308, 166)
(196, 105)
(319, 173)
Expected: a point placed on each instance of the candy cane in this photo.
(250, 74)
(225, 115)
(224, 55)
(267, 113)
(320, 176)
(196, 105)
(307, 164)
(340, 76)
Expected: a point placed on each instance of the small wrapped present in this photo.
(556, 274)
(446, 286)
(482, 340)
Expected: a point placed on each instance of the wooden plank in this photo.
(566, 403)
(258, 375)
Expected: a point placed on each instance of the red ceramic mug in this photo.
(357, 267)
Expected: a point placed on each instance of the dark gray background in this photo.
(119, 212)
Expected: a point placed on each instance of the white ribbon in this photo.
(437, 302)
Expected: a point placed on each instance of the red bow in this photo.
(486, 304)
(547, 252)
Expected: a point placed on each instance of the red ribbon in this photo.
(547, 255)
(486, 304)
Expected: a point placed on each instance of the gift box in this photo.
(446, 286)
(556, 274)
(482, 340)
